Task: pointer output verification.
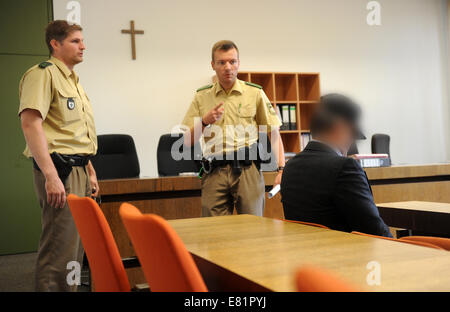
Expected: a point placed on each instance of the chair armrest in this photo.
(132, 262)
(141, 288)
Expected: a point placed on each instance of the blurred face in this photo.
(342, 136)
(70, 50)
(226, 65)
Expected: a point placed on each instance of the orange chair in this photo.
(418, 243)
(106, 265)
(166, 263)
(313, 279)
(308, 223)
(441, 242)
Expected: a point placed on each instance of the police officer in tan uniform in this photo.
(228, 115)
(58, 125)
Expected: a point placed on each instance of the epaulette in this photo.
(205, 87)
(45, 64)
(253, 85)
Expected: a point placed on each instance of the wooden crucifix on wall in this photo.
(133, 32)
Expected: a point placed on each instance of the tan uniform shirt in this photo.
(246, 107)
(68, 119)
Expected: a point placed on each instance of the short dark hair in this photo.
(59, 30)
(223, 45)
(321, 121)
(333, 108)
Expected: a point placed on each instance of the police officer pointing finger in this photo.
(228, 115)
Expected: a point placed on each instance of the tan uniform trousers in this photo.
(60, 242)
(223, 189)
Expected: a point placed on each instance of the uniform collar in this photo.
(63, 67)
(236, 87)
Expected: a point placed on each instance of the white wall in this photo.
(398, 71)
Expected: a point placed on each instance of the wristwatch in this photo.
(281, 168)
(205, 125)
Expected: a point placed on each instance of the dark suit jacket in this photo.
(322, 187)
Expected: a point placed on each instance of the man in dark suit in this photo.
(322, 185)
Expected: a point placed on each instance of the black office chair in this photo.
(380, 144)
(116, 157)
(190, 156)
(353, 150)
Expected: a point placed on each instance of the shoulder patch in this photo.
(45, 64)
(205, 87)
(253, 85)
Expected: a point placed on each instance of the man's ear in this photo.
(54, 43)
(212, 65)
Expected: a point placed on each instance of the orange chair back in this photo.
(441, 242)
(167, 264)
(105, 262)
(308, 223)
(418, 243)
(313, 279)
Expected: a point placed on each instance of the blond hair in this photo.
(223, 45)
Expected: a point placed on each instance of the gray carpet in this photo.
(17, 273)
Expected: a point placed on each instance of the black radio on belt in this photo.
(64, 164)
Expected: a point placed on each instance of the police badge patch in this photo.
(70, 103)
(270, 108)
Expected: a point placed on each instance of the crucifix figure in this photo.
(133, 32)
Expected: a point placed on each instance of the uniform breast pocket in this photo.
(69, 106)
(247, 111)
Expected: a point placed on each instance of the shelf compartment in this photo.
(306, 112)
(265, 80)
(291, 141)
(243, 76)
(286, 87)
(309, 87)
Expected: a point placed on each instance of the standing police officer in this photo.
(228, 114)
(58, 125)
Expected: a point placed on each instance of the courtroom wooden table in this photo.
(245, 253)
(410, 182)
(419, 216)
(179, 197)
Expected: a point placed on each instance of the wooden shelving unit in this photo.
(300, 89)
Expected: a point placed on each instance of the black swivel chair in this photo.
(380, 144)
(190, 157)
(116, 157)
(353, 150)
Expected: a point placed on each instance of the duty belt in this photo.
(76, 160)
(72, 160)
(64, 163)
